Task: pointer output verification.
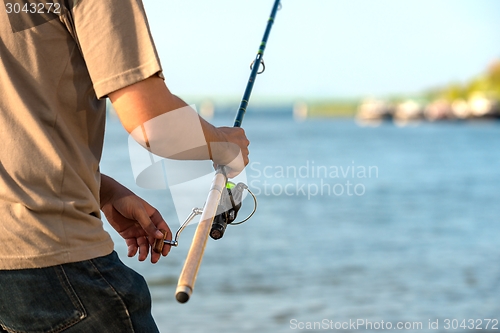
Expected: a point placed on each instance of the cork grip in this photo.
(187, 278)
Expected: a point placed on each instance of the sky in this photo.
(322, 49)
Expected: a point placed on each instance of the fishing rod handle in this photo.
(187, 279)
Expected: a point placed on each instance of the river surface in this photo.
(400, 225)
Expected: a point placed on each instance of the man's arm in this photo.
(150, 98)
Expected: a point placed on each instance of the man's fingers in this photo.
(146, 222)
(132, 246)
(165, 248)
(160, 223)
(155, 257)
(143, 248)
(132, 250)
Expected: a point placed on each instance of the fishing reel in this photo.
(229, 205)
(227, 211)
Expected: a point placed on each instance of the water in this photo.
(413, 238)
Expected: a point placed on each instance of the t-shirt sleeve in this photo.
(116, 43)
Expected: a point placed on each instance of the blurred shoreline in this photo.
(477, 99)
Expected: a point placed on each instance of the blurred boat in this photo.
(439, 109)
(408, 112)
(460, 109)
(483, 107)
(372, 112)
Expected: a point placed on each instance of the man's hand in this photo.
(133, 218)
(230, 149)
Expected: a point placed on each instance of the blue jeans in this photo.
(100, 295)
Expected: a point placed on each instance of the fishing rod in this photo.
(259, 59)
(224, 198)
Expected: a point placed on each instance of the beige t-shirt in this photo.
(58, 60)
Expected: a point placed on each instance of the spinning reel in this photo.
(227, 211)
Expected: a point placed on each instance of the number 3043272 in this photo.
(33, 8)
(470, 324)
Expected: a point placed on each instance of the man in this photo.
(58, 63)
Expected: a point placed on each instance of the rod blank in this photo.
(255, 68)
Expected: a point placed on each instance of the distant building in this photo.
(207, 109)
(300, 111)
